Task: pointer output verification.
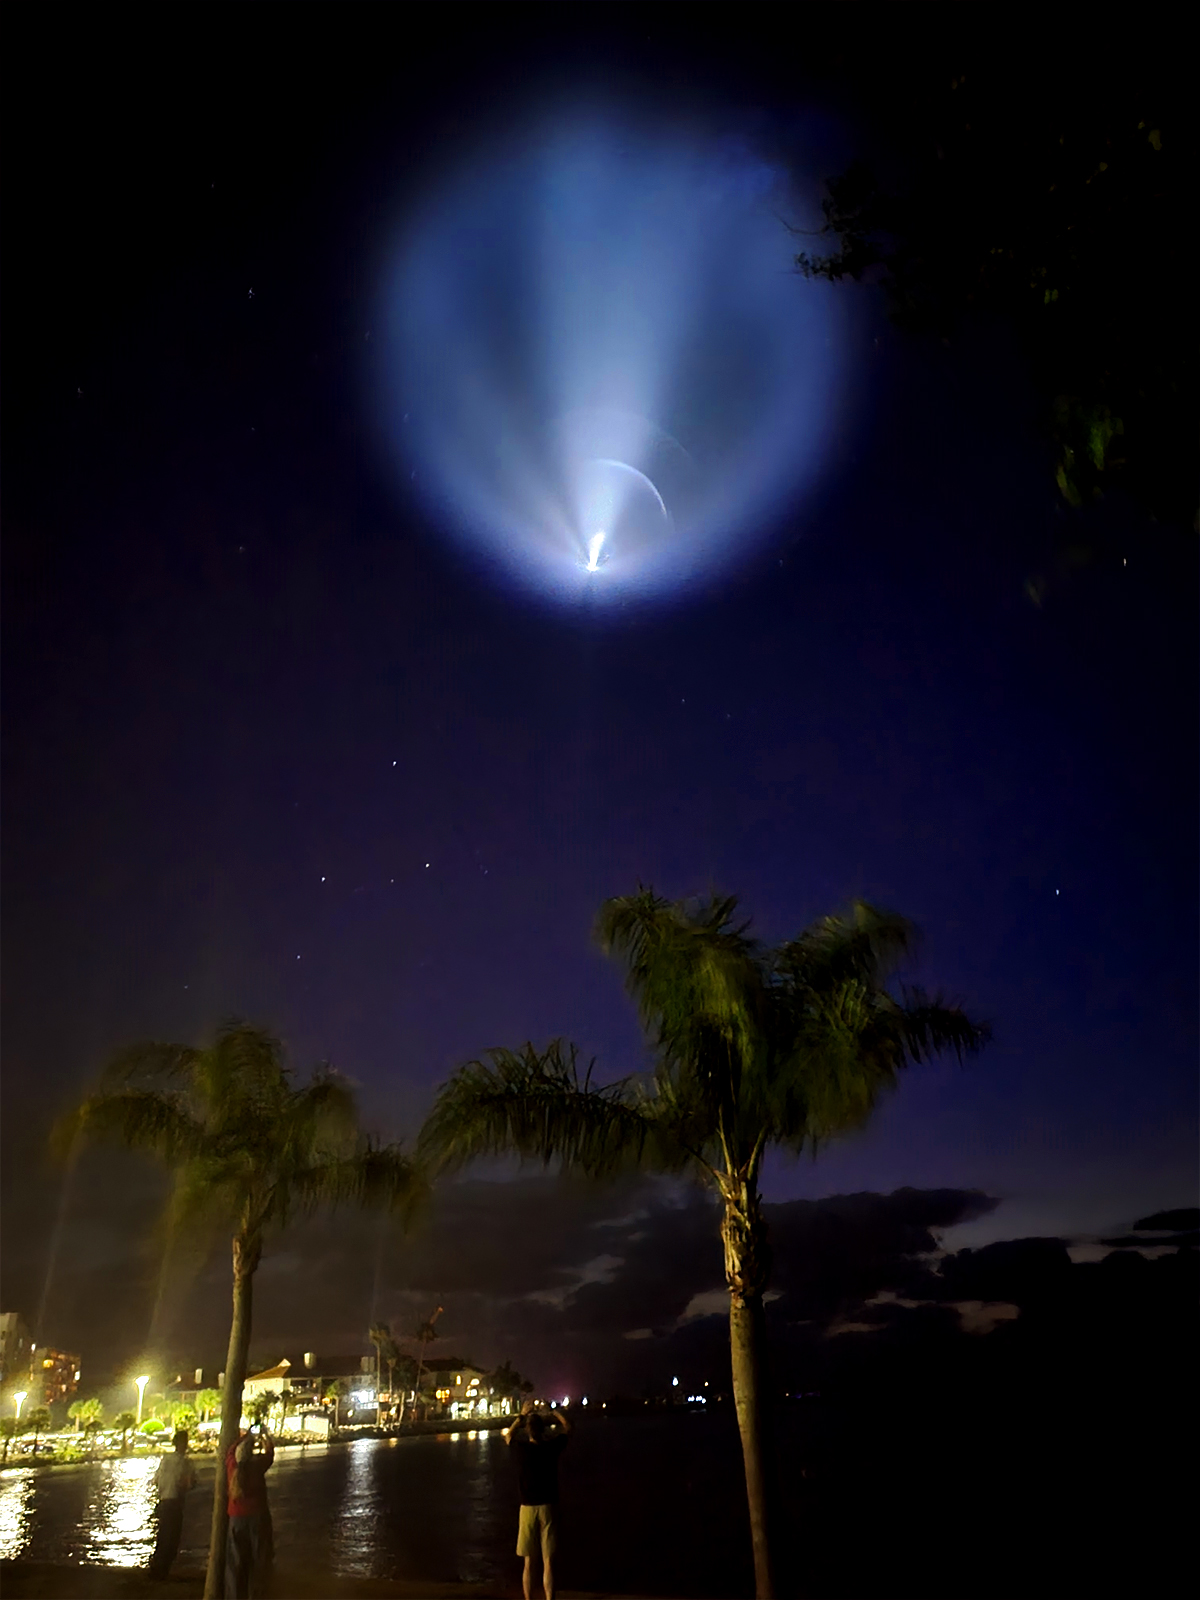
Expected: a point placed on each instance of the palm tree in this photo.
(379, 1334)
(259, 1409)
(207, 1401)
(753, 1047)
(124, 1423)
(250, 1149)
(337, 1391)
(39, 1421)
(425, 1335)
(82, 1412)
(387, 1353)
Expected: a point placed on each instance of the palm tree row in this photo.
(753, 1047)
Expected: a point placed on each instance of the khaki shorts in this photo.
(538, 1527)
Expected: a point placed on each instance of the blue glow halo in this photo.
(610, 376)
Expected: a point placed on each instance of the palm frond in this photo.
(145, 1120)
(700, 986)
(866, 944)
(150, 1063)
(378, 1176)
(536, 1105)
(242, 1069)
(933, 1026)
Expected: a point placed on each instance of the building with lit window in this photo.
(54, 1374)
(462, 1390)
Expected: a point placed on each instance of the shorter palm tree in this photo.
(337, 1391)
(39, 1421)
(250, 1150)
(208, 1401)
(260, 1408)
(124, 1423)
(82, 1412)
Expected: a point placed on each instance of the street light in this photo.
(141, 1389)
(19, 1400)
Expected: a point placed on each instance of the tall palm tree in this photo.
(425, 1335)
(753, 1047)
(387, 1353)
(250, 1150)
(380, 1335)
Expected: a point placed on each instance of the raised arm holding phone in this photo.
(538, 1438)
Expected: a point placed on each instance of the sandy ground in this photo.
(44, 1580)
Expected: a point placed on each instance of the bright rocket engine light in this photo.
(609, 376)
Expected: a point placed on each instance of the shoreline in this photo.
(50, 1580)
(201, 1456)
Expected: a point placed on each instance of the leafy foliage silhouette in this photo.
(753, 1046)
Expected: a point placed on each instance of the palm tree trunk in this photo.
(747, 1264)
(246, 1252)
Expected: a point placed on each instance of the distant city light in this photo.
(674, 1383)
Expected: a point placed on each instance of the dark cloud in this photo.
(583, 1286)
(1188, 1217)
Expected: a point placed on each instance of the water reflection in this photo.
(16, 1505)
(356, 1537)
(118, 1525)
(482, 1509)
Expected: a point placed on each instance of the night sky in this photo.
(279, 745)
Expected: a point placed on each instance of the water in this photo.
(653, 1505)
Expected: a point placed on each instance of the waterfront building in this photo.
(53, 1374)
(14, 1347)
(463, 1390)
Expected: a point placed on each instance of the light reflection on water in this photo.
(118, 1526)
(437, 1509)
(16, 1495)
(356, 1531)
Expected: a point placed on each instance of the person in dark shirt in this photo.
(538, 1439)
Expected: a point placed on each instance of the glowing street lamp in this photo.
(141, 1389)
(19, 1400)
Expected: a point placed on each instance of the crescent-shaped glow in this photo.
(594, 331)
(623, 466)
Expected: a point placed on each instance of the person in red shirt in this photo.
(249, 1547)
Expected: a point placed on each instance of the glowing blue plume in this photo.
(605, 358)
